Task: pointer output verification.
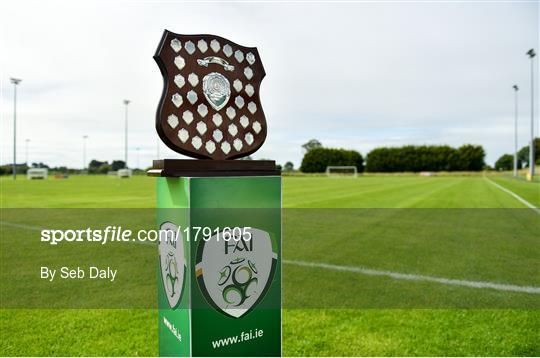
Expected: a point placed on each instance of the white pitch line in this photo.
(519, 198)
(412, 277)
(21, 226)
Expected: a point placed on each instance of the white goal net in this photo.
(341, 171)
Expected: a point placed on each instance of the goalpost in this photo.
(341, 171)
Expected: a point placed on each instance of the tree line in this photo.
(317, 159)
(407, 158)
(103, 167)
(94, 167)
(506, 161)
(431, 158)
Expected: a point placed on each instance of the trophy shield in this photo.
(210, 106)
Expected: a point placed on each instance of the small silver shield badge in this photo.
(217, 90)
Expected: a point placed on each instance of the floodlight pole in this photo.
(516, 89)
(138, 149)
(26, 151)
(531, 54)
(15, 82)
(85, 137)
(126, 102)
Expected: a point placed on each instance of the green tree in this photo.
(316, 160)
(98, 167)
(288, 167)
(21, 168)
(411, 158)
(104, 169)
(39, 165)
(523, 153)
(311, 144)
(505, 162)
(118, 164)
(471, 157)
(60, 169)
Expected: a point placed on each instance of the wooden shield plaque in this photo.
(210, 106)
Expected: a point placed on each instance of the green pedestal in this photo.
(219, 284)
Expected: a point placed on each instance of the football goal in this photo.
(341, 171)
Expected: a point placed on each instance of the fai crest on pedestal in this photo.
(234, 275)
(172, 263)
(210, 106)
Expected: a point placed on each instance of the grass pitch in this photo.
(318, 331)
(298, 192)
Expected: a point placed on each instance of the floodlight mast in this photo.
(26, 141)
(516, 89)
(85, 137)
(15, 82)
(126, 103)
(531, 55)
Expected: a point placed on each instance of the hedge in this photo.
(316, 160)
(426, 158)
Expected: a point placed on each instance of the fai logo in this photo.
(210, 106)
(172, 262)
(234, 275)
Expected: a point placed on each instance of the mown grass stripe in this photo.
(413, 277)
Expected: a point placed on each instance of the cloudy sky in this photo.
(353, 75)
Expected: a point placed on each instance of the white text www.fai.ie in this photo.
(242, 337)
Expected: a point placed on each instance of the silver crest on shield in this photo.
(234, 274)
(173, 263)
(216, 89)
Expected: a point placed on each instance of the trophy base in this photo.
(212, 168)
